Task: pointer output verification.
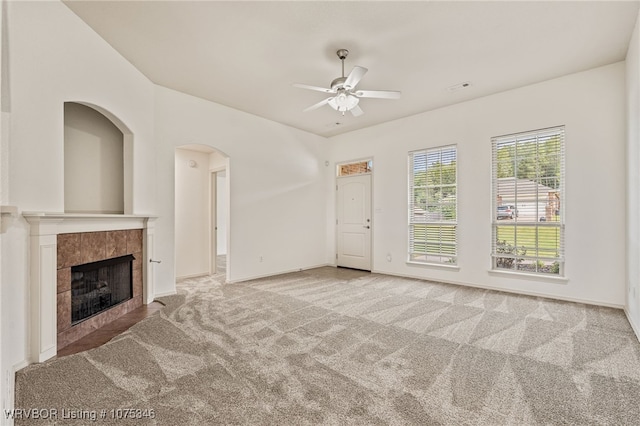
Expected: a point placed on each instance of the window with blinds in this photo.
(528, 201)
(433, 205)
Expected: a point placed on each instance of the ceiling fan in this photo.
(345, 96)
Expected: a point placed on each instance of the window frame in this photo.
(514, 255)
(445, 259)
(356, 163)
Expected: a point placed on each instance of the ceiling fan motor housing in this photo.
(342, 53)
(338, 83)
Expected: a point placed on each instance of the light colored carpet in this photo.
(334, 346)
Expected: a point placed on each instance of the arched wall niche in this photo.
(98, 161)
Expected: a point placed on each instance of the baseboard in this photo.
(19, 366)
(466, 284)
(166, 293)
(506, 290)
(273, 274)
(198, 275)
(9, 401)
(633, 325)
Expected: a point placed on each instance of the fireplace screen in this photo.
(98, 286)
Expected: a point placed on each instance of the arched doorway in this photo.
(201, 211)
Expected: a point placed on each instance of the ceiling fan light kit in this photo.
(343, 102)
(346, 98)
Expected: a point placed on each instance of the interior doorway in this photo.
(201, 213)
(218, 185)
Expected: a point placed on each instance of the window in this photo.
(358, 168)
(528, 200)
(433, 205)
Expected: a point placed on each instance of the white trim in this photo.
(356, 161)
(11, 392)
(528, 276)
(514, 138)
(273, 274)
(411, 216)
(213, 221)
(19, 366)
(200, 274)
(166, 293)
(506, 290)
(67, 223)
(460, 283)
(371, 208)
(43, 231)
(633, 326)
(450, 267)
(9, 210)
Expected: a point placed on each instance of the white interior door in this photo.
(354, 221)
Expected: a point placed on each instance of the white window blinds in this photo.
(528, 201)
(433, 205)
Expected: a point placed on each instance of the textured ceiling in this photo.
(246, 55)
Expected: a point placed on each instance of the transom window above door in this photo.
(355, 168)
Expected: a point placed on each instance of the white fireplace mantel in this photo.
(44, 229)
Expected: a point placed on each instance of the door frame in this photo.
(335, 199)
(213, 221)
(213, 218)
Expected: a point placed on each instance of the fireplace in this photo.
(97, 286)
(99, 279)
(62, 241)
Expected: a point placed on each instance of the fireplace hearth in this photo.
(97, 286)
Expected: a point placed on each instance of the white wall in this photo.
(591, 106)
(5, 396)
(67, 61)
(52, 57)
(192, 213)
(93, 162)
(633, 179)
(280, 191)
(276, 180)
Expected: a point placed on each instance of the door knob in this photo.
(366, 226)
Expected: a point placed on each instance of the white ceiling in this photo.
(246, 55)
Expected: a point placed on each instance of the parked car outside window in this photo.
(507, 212)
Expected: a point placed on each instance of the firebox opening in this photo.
(98, 286)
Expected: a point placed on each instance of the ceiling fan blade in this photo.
(382, 94)
(316, 88)
(318, 105)
(354, 77)
(357, 111)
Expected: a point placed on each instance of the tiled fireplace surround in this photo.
(61, 240)
(86, 247)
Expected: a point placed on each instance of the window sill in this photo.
(526, 276)
(434, 265)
